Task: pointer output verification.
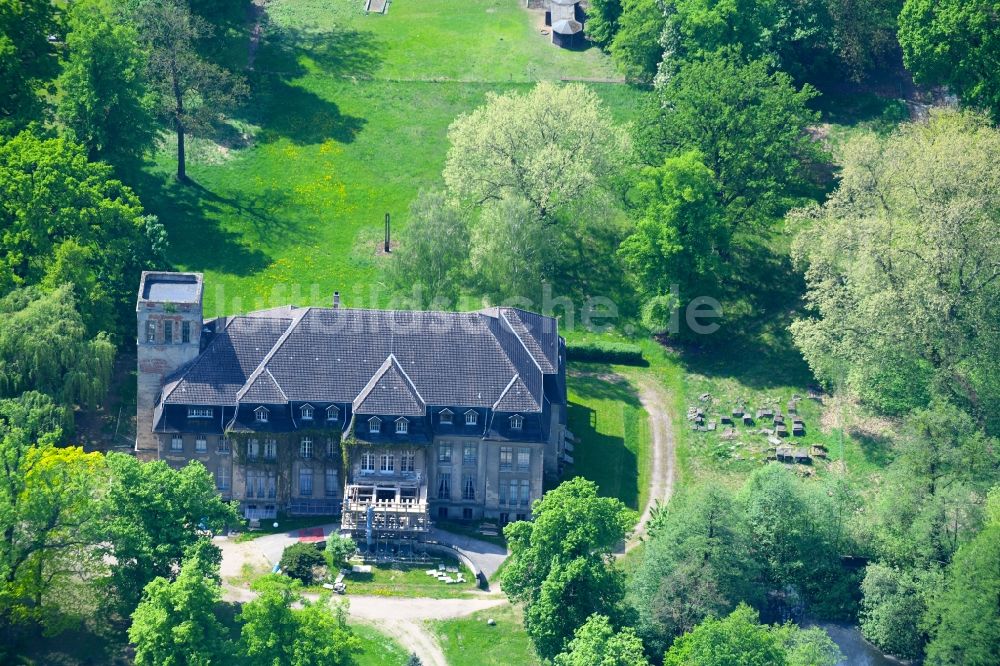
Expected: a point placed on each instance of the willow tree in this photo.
(902, 265)
(44, 347)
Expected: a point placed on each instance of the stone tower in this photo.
(169, 322)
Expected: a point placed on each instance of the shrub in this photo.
(299, 560)
(339, 549)
(608, 352)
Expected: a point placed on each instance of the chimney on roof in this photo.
(336, 300)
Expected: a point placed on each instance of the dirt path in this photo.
(664, 455)
(404, 620)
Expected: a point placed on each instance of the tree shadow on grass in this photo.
(196, 238)
(602, 458)
(598, 381)
(753, 344)
(257, 207)
(876, 448)
(286, 109)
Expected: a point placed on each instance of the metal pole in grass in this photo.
(387, 250)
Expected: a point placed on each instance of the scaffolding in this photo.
(390, 510)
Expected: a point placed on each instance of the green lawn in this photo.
(470, 641)
(612, 432)
(405, 580)
(377, 649)
(347, 120)
(285, 525)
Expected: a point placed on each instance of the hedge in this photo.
(607, 352)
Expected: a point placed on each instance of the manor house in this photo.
(388, 418)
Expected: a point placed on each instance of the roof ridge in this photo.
(276, 383)
(523, 344)
(262, 366)
(197, 359)
(506, 389)
(389, 362)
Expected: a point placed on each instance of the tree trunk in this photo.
(179, 125)
(181, 172)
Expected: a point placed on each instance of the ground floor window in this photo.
(525, 492)
(330, 482)
(469, 487)
(305, 481)
(272, 484)
(222, 477)
(444, 486)
(255, 483)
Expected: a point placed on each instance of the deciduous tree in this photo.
(597, 643)
(153, 514)
(175, 623)
(106, 103)
(27, 60)
(299, 559)
(954, 43)
(64, 219)
(561, 566)
(680, 238)
(44, 347)
(47, 519)
(192, 93)
(908, 240)
(739, 638)
(275, 633)
(434, 248)
(963, 616)
(749, 126)
(549, 146)
(636, 47)
(695, 564)
(893, 607)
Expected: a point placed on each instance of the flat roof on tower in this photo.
(171, 287)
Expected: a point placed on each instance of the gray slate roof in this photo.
(382, 361)
(516, 398)
(390, 391)
(224, 367)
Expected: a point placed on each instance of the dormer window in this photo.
(402, 426)
(199, 412)
(261, 414)
(307, 413)
(516, 422)
(333, 413)
(374, 424)
(446, 416)
(471, 417)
